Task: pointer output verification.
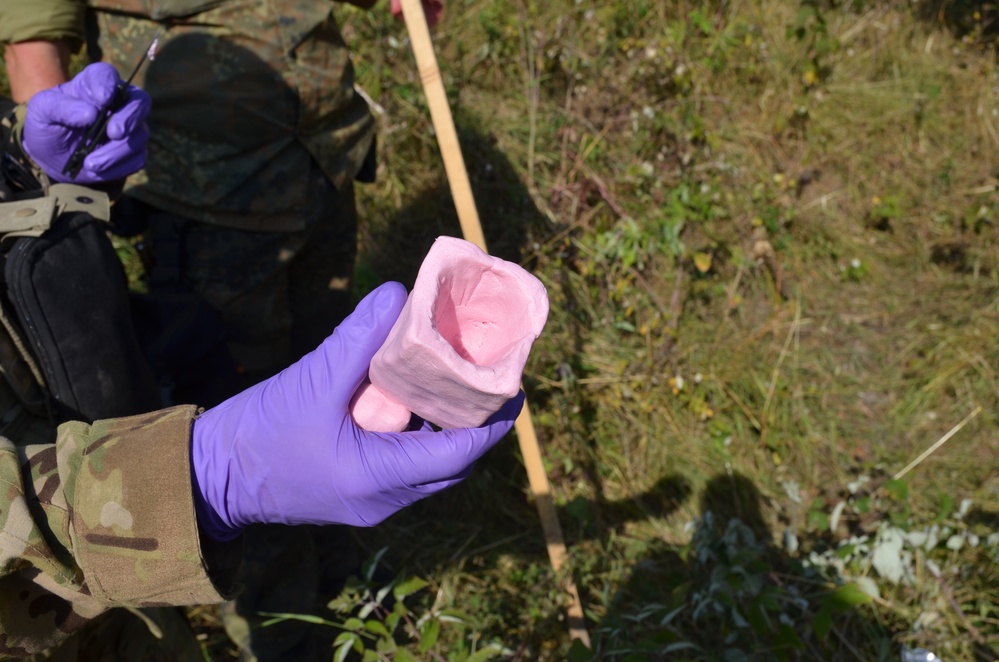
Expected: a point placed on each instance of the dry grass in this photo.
(797, 366)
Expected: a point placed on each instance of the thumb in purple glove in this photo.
(58, 118)
(287, 450)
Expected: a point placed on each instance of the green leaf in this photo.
(340, 605)
(805, 12)
(579, 508)
(898, 489)
(343, 645)
(376, 627)
(408, 587)
(353, 624)
(822, 623)
(845, 551)
(382, 592)
(786, 636)
(578, 652)
(492, 650)
(372, 565)
(308, 618)
(846, 597)
(946, 507)
(868, 586)
(818, 520)
(403, 655)
(452, 616)
(429, 633)
(366, 610)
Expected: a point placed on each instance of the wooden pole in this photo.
(471, 228)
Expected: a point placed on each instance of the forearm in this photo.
(105, 518)
(33, 66)
(140, 466)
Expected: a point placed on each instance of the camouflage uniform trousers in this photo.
(289, 570)
(160, 634)
(279, 295)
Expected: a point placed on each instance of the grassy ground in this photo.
(768, 231)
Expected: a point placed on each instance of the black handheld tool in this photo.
(96, 134)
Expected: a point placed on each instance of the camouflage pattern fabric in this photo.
(158, 634)
(279, 294)
(255, 126)
(256, 134)
(103, 517)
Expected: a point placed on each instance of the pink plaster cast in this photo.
(375, 411)
(457, 352)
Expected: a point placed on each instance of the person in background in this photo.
(150, 510)
(256, 137)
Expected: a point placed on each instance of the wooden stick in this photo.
(471, 229)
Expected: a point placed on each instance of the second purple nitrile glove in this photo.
(287, 450)
(58, 118)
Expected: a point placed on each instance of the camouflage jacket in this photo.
(103, 517)
(245, 95)
(92, 516)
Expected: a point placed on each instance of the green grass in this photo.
(792, 214)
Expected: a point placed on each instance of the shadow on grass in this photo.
(732, 594)
(963, 18)
(728, 591)
(728, 594)
(394, 248)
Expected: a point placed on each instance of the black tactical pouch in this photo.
(64, 305)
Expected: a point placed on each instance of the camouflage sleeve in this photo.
(102, 518)
(43, 20)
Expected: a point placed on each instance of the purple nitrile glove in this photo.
(57, 119)
(287, 451)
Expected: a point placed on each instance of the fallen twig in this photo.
(925, 454)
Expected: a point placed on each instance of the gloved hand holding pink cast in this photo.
(310, 446)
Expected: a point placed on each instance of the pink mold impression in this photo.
(457, 352)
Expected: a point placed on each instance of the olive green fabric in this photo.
(101, 517)
(29, 20)
(245, 95)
